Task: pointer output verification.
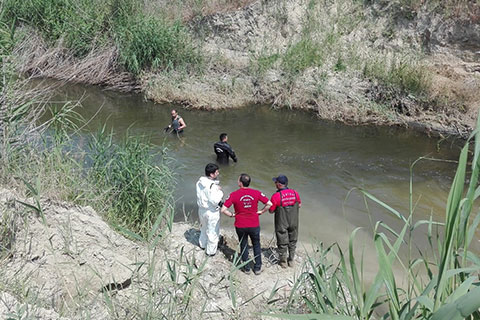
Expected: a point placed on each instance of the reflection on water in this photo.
(322, 160)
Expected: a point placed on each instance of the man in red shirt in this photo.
(247, 224)
(285, 205)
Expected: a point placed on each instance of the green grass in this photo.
(302, 55)
(82, 24)
(138, 182)
(143, 41)
(404, 73)
(153, 43)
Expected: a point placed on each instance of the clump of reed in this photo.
(137, 180)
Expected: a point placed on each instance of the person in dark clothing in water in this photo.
(177, 125)
(285, 205)
(223, 150)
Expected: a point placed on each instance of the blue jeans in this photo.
(254, 234)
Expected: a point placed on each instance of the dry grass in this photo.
(212, 90)
(99, 67)
(188, 9)
(456, 83)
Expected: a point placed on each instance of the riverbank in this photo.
(69, 264)
(382, 63)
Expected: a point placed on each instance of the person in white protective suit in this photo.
(209, 200)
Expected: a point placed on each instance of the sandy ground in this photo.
(61, 266)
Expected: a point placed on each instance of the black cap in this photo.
(281, 179)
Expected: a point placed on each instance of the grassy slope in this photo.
(349, 60)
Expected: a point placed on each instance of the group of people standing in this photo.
(284, 204)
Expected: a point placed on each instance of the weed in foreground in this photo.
(137, 182)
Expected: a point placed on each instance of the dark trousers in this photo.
(286, 230)
(254, 234)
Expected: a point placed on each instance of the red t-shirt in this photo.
(289, 197)
(245, 202)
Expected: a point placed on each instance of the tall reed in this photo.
(136, 181)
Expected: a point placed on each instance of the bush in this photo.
(151, 43)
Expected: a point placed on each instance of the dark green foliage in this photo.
(147, 42)
(340, 65)
(83, 25)
(133, 179)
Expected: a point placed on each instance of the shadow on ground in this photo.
(229, 247)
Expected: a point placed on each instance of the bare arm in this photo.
(265, 208)
(226, 212)
(182, 124)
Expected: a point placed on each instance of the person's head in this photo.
(281, 181)
(174, 113)
(223, 137)
(211, 171)
(244, 180)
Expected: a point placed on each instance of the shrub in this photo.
(151, 43)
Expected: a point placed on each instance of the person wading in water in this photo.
(223, 150)
(177, 125)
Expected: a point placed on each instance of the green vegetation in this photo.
(143, 41)
(404, 73)
(128, 182)
(152, 43)
(302, 55)
(138, 188)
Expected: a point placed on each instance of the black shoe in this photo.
(210, 255)
(221, 241)
(257, 272)
(246, 271)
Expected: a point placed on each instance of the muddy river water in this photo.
(322, 160)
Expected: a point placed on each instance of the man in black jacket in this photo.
(224, 150)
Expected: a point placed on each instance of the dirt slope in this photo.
(72, 265)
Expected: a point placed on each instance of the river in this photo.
(323, 161)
